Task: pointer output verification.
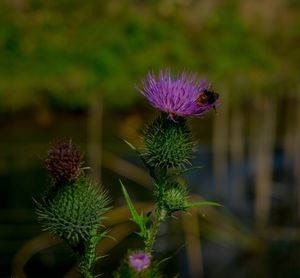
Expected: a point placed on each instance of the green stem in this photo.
(86, 264)
(154, 230)
(84, 273)
(159, 213)
(87, 257)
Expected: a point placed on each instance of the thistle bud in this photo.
(175, 199)
(64, 162)
(168, 143)
(74, 211)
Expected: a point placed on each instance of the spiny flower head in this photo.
(64, 162)
(168, 144)
(175, 198)
(139, 261)
(182, 95)
(73, 211)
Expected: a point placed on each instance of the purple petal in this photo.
(139, 261)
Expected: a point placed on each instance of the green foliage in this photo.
(140, 219)
(74, 211)
(168, 144)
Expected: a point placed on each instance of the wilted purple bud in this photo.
(139, 261)
(183, 95)
(64, 162)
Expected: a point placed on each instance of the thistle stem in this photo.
(86, 274)
(86, 264)
(86, 258)
(159, 213)
(154, 230)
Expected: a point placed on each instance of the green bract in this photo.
(74, 211)
(168, 143)
(174, 199)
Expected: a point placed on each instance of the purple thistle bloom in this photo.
(182, 95)
(139, 261)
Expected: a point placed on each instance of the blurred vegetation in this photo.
(63, 52)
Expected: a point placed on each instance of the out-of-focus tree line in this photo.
(62, 52)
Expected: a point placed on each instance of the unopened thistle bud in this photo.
(64, 162)
(168, 143)
(175, 199)
(74, 211)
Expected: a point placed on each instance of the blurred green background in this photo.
(68, 69)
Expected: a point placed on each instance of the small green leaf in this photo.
(203, 203)
(140, 219)
(135, 216)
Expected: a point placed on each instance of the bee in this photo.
(207, 97)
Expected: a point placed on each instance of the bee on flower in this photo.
(182, 95)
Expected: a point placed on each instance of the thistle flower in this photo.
(64, 162)
(139, 261)
(182, 95)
